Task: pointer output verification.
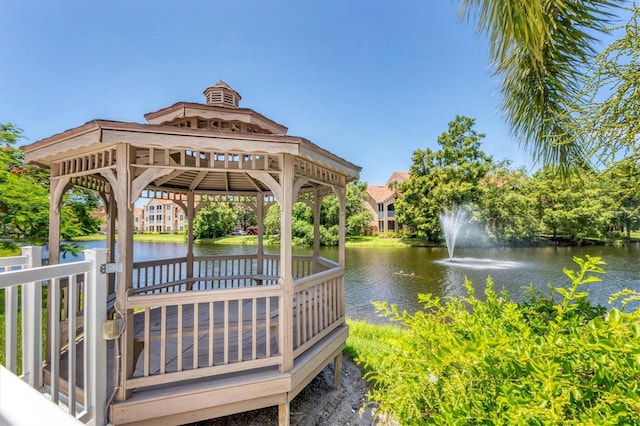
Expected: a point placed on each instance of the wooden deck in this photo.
(207, 397)
(200, 354)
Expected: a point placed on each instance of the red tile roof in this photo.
(379, 193)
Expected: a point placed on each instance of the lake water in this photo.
(398, 275)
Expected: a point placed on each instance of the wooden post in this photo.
(283, 414)
(286, 262)
(342, 198)
(54, 217)
(122, 191)
(337, 371)
(56, 189)
(317, 202)
(190, 216)
(112, 213)
(260, 219)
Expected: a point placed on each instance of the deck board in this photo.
(171, 350)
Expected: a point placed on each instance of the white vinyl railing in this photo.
(23, 275)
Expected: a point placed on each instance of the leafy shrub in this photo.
(468, 361)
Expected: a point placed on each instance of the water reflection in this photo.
(474, 263)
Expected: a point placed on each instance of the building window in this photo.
(181, 228)
(159, 217)
(181, 218)
(167, 218)
(167, 207)
(168, 228)
(391, 210)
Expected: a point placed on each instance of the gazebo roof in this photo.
(186, 110)
(209, 148)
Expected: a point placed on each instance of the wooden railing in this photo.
(238, 327)
(224, 272)
(231, 318)
(318, 306)
(217, 272)
(160, 276)
(29, 282)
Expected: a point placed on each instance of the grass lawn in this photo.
(153, 238)
(362, 241)
(242, 240)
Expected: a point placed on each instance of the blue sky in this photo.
(369, 80)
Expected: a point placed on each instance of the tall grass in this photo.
(368, 344)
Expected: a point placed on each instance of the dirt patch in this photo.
(318, 404)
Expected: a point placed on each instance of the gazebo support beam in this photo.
(317, 202)
(191, 213)
(260, 213)
(122, 191)
(341, 193)
(58, 186)
(110, 231)
(286, 261)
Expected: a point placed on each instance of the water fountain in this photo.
(451, 222)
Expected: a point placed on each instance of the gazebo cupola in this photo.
(221, 113)
(221, 94)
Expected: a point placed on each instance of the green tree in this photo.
(623, 180)
(24, 198)
(24, 203)
(81, 203)
(506, 206)
(443, 178)
(358, 217)
(245, 216)
(609, 116)
(272, 220)
(214, 220)
(574, 207)
(302, 225)
(540, 49)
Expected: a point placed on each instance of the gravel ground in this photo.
(318, 404)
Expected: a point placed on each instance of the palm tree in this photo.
(541, 50)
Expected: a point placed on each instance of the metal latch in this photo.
(110, 268)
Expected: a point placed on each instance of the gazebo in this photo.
(200, 337)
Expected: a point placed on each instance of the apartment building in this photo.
(381, 202)
(159, 216)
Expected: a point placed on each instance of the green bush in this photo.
(498, 362)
